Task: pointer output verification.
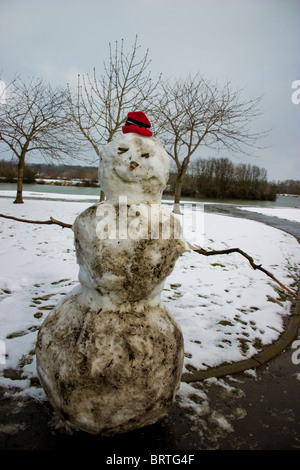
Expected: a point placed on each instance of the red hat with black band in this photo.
(137, 122)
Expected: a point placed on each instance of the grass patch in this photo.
(225, 323)
(54, 283)
(257, 343)
(243, 345)
(175, 286)
(218, 264)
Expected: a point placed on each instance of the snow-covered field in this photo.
(227, 311)
(281, 212)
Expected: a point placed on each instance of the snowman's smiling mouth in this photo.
(129, 181)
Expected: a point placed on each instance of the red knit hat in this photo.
(137, 122)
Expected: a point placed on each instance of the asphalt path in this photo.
(288, 226)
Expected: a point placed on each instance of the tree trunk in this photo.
(19, 198)
(102, 195)
(177, 195)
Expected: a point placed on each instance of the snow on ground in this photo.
(281, 212)
(227, 311)
(50, 196)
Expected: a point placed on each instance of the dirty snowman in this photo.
(110, 355)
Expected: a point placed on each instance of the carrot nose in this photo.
(133, 165)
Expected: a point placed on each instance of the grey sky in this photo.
(252, 43)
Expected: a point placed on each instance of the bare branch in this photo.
(197, 112)
(102, 102)
(51, 221)
(33, 121)
(202, 251)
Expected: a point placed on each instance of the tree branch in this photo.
(51, 221)
(255, 266)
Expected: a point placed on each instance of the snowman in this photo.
(110, 355)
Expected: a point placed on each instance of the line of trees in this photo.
(288, 187)
(34, 172)
(9, 172)
(186, 114)
(207, 178)
(221, 178)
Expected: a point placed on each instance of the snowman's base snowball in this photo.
(108, 372)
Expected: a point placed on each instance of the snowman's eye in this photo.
(122, 150)
(145, 155)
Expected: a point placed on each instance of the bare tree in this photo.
(195, 112)
(100, 104)
(33, 121)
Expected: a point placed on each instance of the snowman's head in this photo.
(134, 166)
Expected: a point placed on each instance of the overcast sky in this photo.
(252, 43)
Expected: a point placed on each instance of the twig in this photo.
(51, 221)
(204, 252)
